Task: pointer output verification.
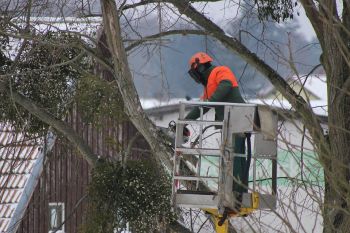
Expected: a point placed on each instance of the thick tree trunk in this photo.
(129, 94)
(126, 86)
(336, 63)
(337, 196)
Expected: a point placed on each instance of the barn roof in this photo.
(21, 163)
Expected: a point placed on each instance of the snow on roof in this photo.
(156, 103)
(314, 84)
(84, 27)
(319, 107)
(20, 164)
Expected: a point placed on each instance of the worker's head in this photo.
(199, 64)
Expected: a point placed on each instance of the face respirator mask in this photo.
(196, 72)
(195, 75)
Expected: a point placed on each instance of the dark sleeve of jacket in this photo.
(219, 95)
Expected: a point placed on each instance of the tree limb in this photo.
(166, 33)
(145, 2)
(58, 125)
(128, 149)
(298, 103)
(314, 16)
(126, 86)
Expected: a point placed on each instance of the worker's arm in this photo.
(224, 87)
(195, 113)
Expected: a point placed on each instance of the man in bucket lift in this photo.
(220, 85)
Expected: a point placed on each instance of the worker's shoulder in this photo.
(222, 69)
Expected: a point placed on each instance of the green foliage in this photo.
(46, 72)
(136, 194)
(98, 99)
(276, 9)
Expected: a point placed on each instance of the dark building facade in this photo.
(60, 196)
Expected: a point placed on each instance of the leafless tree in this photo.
(332, 30)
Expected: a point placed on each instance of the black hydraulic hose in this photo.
(249, 158)
(223, 219)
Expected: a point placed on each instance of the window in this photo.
(56, 217)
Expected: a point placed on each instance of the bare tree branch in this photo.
(314, 16)
(145, 2)
(299, 104)
(165, 33)
(58, 125)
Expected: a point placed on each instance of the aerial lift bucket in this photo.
(214, 193)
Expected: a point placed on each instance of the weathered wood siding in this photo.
(66, 174)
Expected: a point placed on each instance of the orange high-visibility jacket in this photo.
(218, 74)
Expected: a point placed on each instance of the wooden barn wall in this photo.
(66, 174)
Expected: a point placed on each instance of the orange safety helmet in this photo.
(199, 58)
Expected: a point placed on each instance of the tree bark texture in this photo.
(335, 44)
(337, 198)
(126, 86)
(129, 94)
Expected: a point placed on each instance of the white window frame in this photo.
(57, 204)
